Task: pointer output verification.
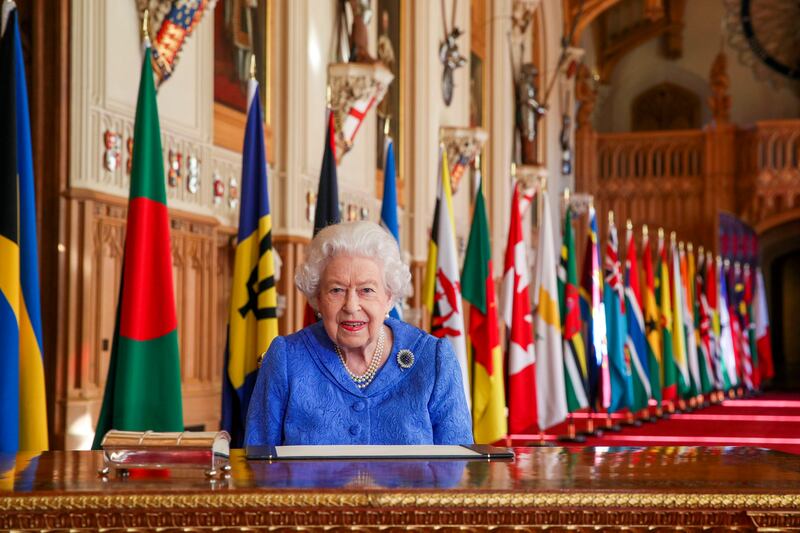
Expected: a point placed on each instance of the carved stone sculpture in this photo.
(462, 145)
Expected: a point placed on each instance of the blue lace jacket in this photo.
(303, 394)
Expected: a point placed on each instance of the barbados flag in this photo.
(23, 413)
(252, 318)
(389, 218)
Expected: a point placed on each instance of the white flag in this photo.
(550, 393)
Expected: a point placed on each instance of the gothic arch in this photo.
(666, 106)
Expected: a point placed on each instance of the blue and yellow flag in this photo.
(23, 413)
(252, 320)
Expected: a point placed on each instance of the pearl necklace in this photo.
(366, 378)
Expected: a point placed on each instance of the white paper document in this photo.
(375, 451)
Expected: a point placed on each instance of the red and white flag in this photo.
(762, 328)
(522, 412)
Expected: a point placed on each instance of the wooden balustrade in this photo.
(650, 154)
(768, 172)
(681, 180)
(654, 178)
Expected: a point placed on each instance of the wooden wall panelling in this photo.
(202, 262)
(201, 368)
(416, 303)
(292, 252)
(221, 282)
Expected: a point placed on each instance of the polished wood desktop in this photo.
(601, 488)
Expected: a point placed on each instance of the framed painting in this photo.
(242, 30)
(390, 51)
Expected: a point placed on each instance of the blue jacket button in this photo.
(358, 406)
(354, 430)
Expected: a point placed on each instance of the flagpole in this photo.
(610, 425)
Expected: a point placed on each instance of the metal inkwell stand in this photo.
(208, 451)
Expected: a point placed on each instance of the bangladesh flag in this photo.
(143, 389)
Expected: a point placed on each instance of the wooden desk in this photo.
(603, 488)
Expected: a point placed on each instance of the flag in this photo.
(143, 388)
(636, 341)
(488, 393)
(678, 333)
(651, 320)
(23, 412)
(669, 378)
(326, 211)
(522, 413)
(727, 346)
(687, 313)
(739, 326)
(252, 317)
(593, 314)
(751, 326)
(551, 398)
(762, 328)
(442, 290)
(712, 296)
(702, 321)
(575, 370)
(389, 218)
(616, 327)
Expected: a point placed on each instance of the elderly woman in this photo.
(357, 376)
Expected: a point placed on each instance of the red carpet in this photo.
(768, 421)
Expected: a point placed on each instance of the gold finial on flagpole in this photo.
(701, 252)
(252, 66)
(660, 233)
(673, 237)
(610, 217)
(386, 125)
(513, 170)
(629, 225)
(689, 247)
(146, 25)
(681, 247)
(477, 162)
(644, 230)
(328, 96)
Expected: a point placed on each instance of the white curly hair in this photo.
(355, 239)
